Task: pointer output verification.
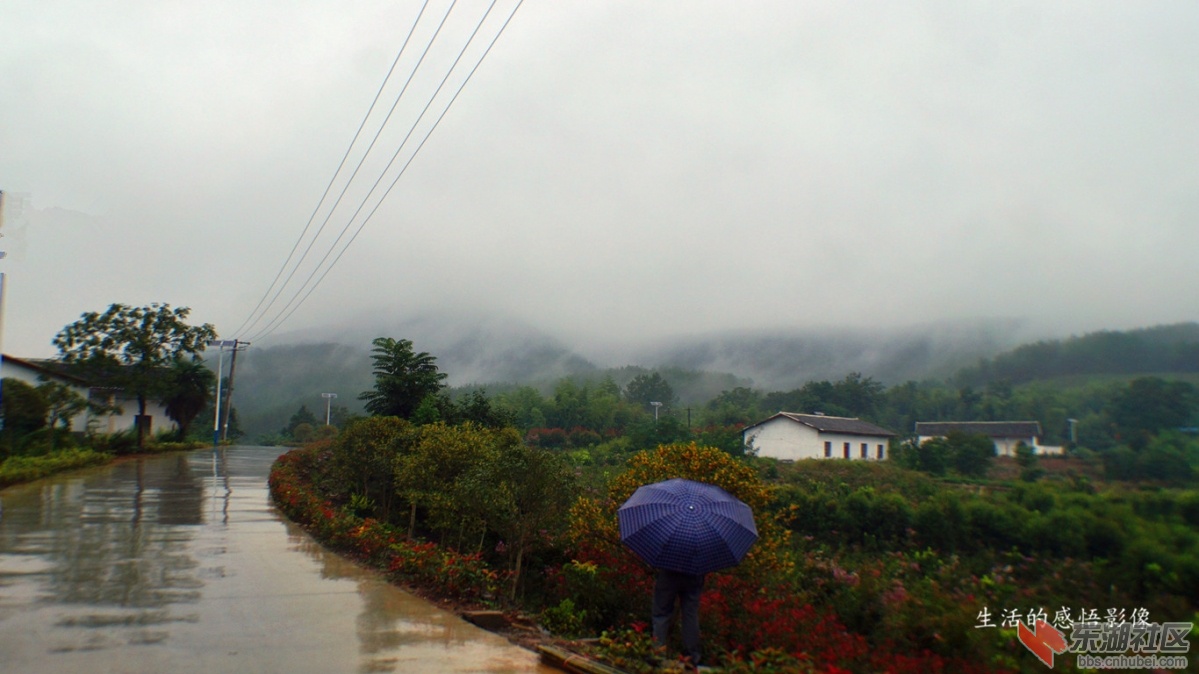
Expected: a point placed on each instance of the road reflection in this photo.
(179, 563)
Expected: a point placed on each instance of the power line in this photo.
(246, 324)
(353, 175)
(297, 300)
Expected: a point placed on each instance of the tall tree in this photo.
(647, 388)
(62, 404)
(403, 378)
(302, 416)
(189, 389)
(1150, 405)
(24, 409)
(129, 347)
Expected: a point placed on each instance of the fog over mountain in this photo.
(498, 354)
(698, 182)
(474, 351)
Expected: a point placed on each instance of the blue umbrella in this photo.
(685, 526)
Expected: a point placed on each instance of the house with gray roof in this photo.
(1005, 434)
(790, 436)
(123, 407)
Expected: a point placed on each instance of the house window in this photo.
(865, 451)
(828, 450)
(880, 452)
(847, 450)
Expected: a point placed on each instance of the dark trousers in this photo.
(686, 588)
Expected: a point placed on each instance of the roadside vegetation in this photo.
(921, 563)
(146, 352)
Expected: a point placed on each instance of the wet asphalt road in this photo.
(180, 564)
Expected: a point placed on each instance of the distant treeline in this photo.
(1161, 349)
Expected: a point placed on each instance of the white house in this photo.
(790, 436)
(1005, 434)
(35, 372)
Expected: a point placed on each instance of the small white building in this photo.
(790, 436)
(35, 372)
(1005, 434)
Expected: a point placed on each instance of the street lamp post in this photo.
(328, 405)
(216, 405)
(656, 406)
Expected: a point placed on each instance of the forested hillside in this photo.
(1161, 349)
(273, 382)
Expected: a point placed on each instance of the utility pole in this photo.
(237, 346)
(328, 405)
(216, 403)
(2, 286)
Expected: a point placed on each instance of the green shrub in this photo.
(564, 619)
(18, 469)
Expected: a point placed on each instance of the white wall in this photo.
(11, 369)
(1007, 446)
(103, 423)
(789, 440)
(127, 419)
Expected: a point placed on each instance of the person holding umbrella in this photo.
(685, 529)
(686, 588)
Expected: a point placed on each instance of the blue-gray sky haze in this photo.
(615, 171)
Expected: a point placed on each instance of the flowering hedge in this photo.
(780, 611)
(449, 573)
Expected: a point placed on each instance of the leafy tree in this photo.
(931, 456)
(426, 476)
(476, 408)
(970, 453)
(62, 403)
(403, 378)
(647, 388)
(189, 391)
(1026, 458)
(538, 495)
(200, 427)
(570, 404)
(25, 410)
(130, 346)
(857, 394)
(647, 433)
(363, 455)
(1150, 405)
(735, 406)
(432, 409)
(302, 416)
(527, 406)
(302, 432)
(340, 415)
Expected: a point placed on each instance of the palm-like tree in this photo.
(403, 378)
(188, 392)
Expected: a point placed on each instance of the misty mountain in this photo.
(1159, 349)
(783, 361)
(272, 382)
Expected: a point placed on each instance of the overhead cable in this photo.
(301, 296)
(247, 324)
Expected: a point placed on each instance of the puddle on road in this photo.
(178, 563)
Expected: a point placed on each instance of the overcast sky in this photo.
(614, 170)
